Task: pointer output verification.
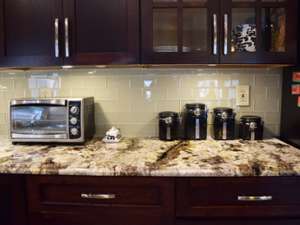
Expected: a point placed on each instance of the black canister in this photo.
(224, 124)
(251, 128)
(168, 125)
(195, 121)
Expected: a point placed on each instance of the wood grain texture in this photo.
(103, 32)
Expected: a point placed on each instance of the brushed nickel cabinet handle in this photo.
(67, 42)
(225, 34)
(98, 196)
(215, 25)
(255, 198)
(56, 37)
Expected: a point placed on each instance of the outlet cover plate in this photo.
(243, 95)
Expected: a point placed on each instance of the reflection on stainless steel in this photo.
(38, 102)
(41, 119)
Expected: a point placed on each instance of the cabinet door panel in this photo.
(102, 32)
(12, 200)
(180, 31)
(259, 32)
(27, 36)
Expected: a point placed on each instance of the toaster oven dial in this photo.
(74, 110)
(74, 131)
(73, 120)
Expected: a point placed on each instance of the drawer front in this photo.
(242, 197)
(100, 195)
(106, 218)
(239, 222)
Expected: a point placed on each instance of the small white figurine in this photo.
(112, 136)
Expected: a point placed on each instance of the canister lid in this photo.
(196, 106)
(168, 114)
(227, 110)
(249, 119)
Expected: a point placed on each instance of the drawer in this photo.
(238, 197)
(106, 218)
(240, 222)
(96, 197)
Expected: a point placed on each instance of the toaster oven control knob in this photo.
(73, 120)
(74, 131)
(74, 109)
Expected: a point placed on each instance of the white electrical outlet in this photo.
(243, 95)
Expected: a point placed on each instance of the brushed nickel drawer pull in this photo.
(255, 198)
(98, 196)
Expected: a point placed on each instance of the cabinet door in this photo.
(180, 31)
(259, 31)
(27, 32)
(12, 200)
(101, 32)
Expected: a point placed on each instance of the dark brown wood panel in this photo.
(209, 197)
(2, 42)
(103, 32)
(261, 56)
(149, 56)
(140, 201)
(12, 200)
(240, 222)
(27, 31)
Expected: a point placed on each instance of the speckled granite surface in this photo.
(150, 157)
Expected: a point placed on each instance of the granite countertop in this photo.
(151, 157)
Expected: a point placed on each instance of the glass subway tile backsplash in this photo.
(131, 98)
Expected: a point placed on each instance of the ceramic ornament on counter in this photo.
(112, 136)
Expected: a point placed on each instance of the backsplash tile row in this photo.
(131, 98)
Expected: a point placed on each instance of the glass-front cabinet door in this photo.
(258, 31)
(180, 31)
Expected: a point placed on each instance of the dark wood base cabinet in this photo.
(75, 200)
(12, 200)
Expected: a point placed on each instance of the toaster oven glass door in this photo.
(40, 121)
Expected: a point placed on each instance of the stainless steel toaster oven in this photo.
(67, 120)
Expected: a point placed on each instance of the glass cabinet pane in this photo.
(194, 29)
(165, 30)
(274, 29)
(243, 30)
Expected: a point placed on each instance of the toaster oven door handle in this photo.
(59, 102)
(38, 136)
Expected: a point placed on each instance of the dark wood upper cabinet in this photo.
(215, 31)
(27, 32)
(180, 32)
(93, 32)
(101, 32)
(259, 31)
(57, 32)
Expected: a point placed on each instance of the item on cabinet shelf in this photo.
(196, 121)
(168, 126)
(251, 128)
(244, 38)
(113, 135)
(224, 124)
(67, 120)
